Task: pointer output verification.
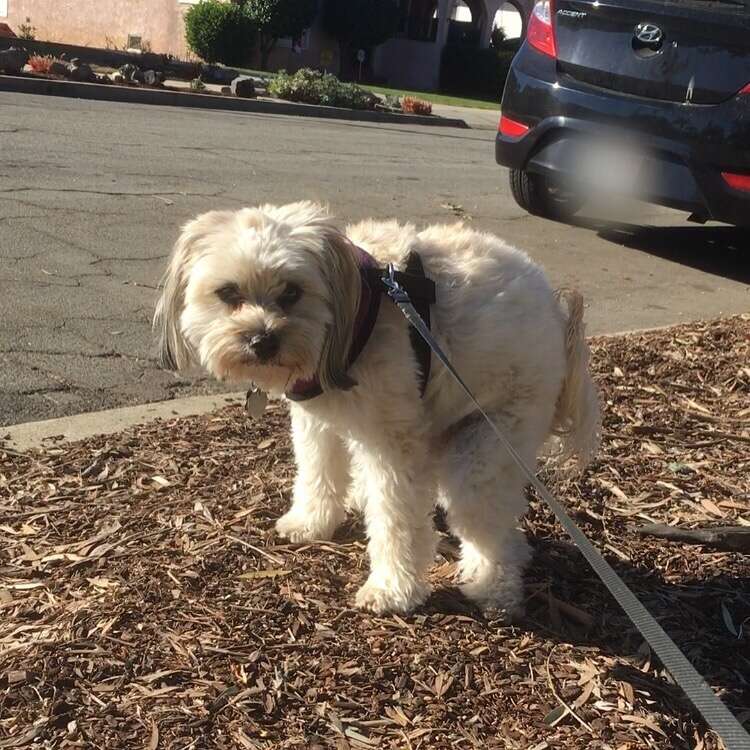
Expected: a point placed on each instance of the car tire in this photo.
(540, 196)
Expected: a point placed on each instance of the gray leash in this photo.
(716, 714)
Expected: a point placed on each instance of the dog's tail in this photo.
(577, 419)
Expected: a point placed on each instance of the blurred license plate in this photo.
(611, 167)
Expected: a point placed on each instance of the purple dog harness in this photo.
(420, 289)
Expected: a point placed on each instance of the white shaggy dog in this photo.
(270, 295)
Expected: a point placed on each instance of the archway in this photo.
(466, 21)
(509, 20)
(512, 12)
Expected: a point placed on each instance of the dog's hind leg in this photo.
(321, 483)
(482, 491)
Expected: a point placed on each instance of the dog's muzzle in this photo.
(263, 345)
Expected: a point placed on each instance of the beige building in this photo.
(102, 23)
(410, 59)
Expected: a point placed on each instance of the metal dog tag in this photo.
(255, 402)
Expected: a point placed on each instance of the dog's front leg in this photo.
(398, 500)
(321, 482)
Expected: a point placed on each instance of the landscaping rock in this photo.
(217, 74)
(58, 68)
(12, 60)
(243, 86)
(132, 73)
(78, 71)
(153, 78)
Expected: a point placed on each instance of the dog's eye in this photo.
(289, 296)
(230, 295)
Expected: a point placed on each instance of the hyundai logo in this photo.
(648, 33)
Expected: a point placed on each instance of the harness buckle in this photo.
(395, 291)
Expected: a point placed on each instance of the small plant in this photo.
(313, 87)
(392, 102)
(26, 30)
(416, 106)
(197, 84)
(41, 63)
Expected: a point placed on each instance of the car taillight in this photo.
(512, 128)
(737, 181)
(745, 91)
(541, 33)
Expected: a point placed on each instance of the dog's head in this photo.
(266, 294)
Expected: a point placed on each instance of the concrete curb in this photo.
(133, 95)
(22, 437)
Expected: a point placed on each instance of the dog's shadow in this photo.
(567, 603)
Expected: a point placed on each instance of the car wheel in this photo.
(541, 196)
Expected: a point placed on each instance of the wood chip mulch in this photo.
(145, 601)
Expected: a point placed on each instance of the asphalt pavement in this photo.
(92, 195)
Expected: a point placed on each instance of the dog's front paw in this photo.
(299, 527)
(400, 596)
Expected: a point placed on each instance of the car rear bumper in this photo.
(684, 148)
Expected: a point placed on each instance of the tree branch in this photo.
(727, 538)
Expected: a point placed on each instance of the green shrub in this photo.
(471, 71)
(314, 87)
(497, 38)
(219, 32)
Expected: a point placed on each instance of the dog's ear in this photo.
(341, 273)
(174, 351)
(335, 257)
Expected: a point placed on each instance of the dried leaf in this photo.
(646, 722)
(269, 573)
(555, 716)
(726, 615)
(652, 448)
(153, 741)
(712, 508)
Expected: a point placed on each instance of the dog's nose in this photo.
(263, 345)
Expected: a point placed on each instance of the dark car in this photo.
(642, 97)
